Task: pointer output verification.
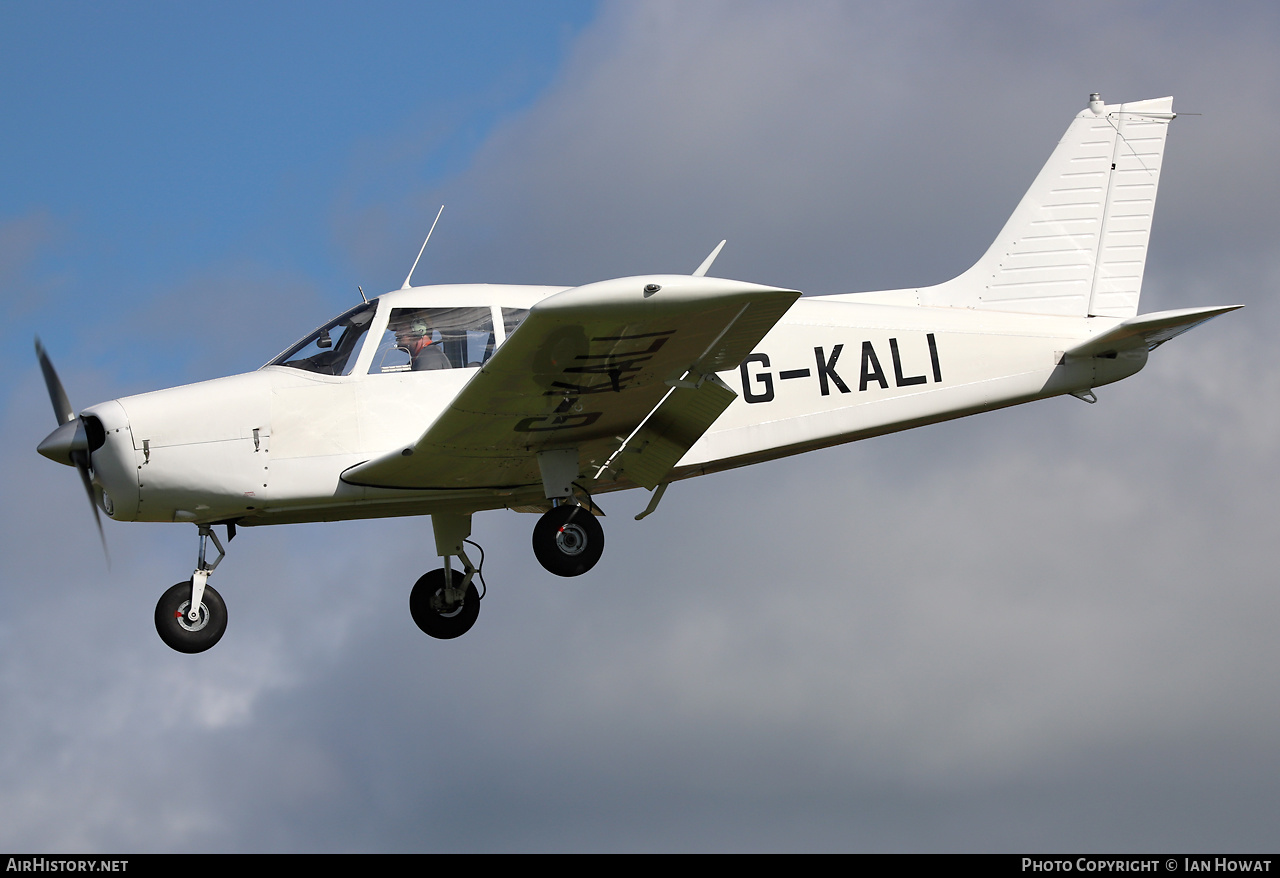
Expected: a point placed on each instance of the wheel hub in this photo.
(571, 539)
(441, 603)
(200, 621)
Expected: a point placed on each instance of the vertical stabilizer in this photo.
(1077, 242)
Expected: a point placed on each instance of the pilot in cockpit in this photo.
(415, 338)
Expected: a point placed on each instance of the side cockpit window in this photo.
(512, 318)
(422, 339)
(332, 349)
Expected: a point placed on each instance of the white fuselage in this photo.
(270, 446)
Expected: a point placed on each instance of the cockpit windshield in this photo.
(331, 349)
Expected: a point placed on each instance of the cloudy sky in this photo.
(1050, 628)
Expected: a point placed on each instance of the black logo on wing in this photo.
(581, 378)
(617, 367)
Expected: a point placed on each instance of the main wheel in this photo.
(452, 622)
(180, 633)
(567, 540)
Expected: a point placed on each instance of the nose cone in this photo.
(59, 445)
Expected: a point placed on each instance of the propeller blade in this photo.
(81, 459)
(58, 396)
(75, 446)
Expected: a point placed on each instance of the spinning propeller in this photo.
(74, 440)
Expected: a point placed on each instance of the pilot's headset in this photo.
(413, 330)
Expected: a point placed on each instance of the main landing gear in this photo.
(567, 540)
(445, 611)
(191, 617)
(445, 602)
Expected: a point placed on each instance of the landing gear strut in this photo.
(191, 616)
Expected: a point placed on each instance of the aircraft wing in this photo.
(585, 370)
(1147, 330)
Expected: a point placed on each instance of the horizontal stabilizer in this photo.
(1148, 330)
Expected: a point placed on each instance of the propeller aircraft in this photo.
(451, 400)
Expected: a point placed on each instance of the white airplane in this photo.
(449, 400)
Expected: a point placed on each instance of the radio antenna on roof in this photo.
(405, 285)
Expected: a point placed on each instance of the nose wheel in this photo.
(177, 628)
(567, 540)
(195, 630)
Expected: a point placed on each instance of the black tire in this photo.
(443, 626)
(568, 541)
(174, 628)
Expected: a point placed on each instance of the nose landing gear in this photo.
(178, 630)
(191, 616)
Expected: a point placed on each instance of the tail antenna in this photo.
(405, 285)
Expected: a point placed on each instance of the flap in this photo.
(670, 431)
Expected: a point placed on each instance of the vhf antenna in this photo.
(405, 285)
